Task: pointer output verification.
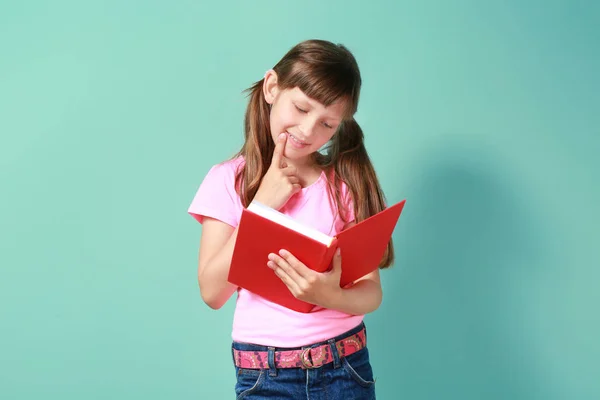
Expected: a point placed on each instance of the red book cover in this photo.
(362, 246)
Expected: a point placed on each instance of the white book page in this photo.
(287, 221)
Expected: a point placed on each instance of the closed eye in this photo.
(325, 124)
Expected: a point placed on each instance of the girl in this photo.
(304, 156)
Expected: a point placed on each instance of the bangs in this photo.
(327, 84)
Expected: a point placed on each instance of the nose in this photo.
(308, 126)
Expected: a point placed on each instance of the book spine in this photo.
(328, 257)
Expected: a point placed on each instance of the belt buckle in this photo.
(306, 363)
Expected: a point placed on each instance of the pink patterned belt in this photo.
(304, 358)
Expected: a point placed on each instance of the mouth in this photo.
(296, 141)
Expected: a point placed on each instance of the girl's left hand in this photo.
(319, 288)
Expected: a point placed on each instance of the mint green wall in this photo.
(483, 115)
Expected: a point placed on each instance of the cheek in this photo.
(279, 123)
(284, 118)
(324, 138)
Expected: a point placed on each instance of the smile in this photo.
(296, 140)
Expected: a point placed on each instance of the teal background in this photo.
(483, 115)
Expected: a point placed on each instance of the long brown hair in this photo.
(327, 73)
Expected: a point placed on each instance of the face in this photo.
(308, 124)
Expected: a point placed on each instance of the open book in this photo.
(263, 230)
(289, 222)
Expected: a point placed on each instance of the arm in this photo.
(218, 238)
(363, 296)
(216, 250)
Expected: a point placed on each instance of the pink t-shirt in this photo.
(257, 320)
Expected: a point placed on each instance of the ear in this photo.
(270, 88)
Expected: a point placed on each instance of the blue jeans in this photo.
(346, 378)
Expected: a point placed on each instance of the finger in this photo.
(293, 179)
(278, 152)
(301, 270)
(280, 262)
(337, 262)
(285, 277)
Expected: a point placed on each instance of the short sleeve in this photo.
(216, 197)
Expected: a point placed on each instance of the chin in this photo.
(293, 155)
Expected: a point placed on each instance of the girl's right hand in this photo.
(280, 182)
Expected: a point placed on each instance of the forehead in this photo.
(335, 110)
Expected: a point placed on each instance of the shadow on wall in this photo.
(452, 324)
